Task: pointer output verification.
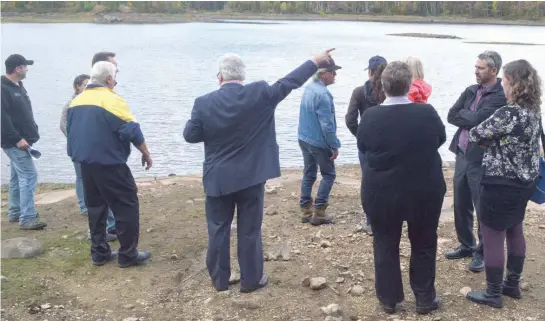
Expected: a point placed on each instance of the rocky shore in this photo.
(316, 273)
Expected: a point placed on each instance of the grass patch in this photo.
(31, 279)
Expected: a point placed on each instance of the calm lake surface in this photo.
(163, 68)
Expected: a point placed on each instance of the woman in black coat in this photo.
(403, 181)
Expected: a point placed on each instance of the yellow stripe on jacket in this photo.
(105, 98)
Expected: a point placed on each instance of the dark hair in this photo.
(10, 70)
(376, 83)
(102, 56)
(525, 84)
(78, 81)
(396, 79)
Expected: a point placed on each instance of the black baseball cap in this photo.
(375, 61)
(330, 66)
(17, 60)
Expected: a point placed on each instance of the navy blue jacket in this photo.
(236, 124)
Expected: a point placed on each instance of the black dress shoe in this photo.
(142, 258)
(262, 283)
(112, 257)
(458, 253)
(476, 265)
(425, 308)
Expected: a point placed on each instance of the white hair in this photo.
(100, 72)
(231, 67)
(318, 74)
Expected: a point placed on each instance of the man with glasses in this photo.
(319, 144)
(19, 132)
(475, 105)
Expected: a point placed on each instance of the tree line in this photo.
(531, 10)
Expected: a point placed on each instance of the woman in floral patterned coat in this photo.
(511, 137)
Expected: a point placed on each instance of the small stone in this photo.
(271, 189)
(128, 306)
(132, 319)
(542, 227)
(465, 290)
(64, 237)
(437, 319)
(296, 252)
(245, 304)
(357, 290)
(80, 237)
(325, 244)
(354, 318)
(3, 278)
(189, 202)
(525, 286)
(318, 234)
(207, 301)
(442, 241)
(149, 230)
(174, 257)
(21, 247)
(332, 318)
(285, 251)
(271, 210)
(45, 306)
(171, 175)
(235, 278)
(317, 283)
(331, 310)
(359, 228)
(340, 280)
(306, 282)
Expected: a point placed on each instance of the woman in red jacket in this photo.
(420, 90)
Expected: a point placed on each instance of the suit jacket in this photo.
(236, 124)
(461, 116)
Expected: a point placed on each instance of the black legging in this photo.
(494, 251)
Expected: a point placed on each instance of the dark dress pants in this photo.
(422, 228)
(467, 186)
(219, 215)
(112, 186)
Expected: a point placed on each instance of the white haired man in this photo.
(236, 124)
(100, 130)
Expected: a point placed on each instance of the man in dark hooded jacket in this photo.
(364, 97)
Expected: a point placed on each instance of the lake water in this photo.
(163, 68)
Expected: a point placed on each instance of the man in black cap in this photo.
(19, 132)
(319, 144)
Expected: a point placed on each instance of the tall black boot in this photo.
(511, 285)
(492, 296)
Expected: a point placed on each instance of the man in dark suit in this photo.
(236, 124)
(474, 106)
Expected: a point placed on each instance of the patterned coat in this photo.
(512, 134)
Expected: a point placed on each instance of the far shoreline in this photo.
(148, 18)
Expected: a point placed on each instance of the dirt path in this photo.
(175, 285)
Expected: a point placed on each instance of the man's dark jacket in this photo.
(17, 117)
(461, 116)
(236, 124)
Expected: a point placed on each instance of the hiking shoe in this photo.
(306, 214)
(32, 224)
(319, 217)
(113, 256)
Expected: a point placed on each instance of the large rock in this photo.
(21, 247)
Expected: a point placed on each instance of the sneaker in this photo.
(142, 258)
(32, 224)
(109, 236)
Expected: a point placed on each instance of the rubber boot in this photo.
(511, 285)
(492, 296)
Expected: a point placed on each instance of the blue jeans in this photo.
(110, 223)
(315, 157)
(22, 185)
(361, 156)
